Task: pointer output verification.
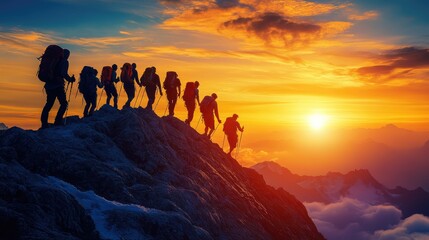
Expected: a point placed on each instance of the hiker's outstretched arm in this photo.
(217, 112)
(239, 127)
(64, 71)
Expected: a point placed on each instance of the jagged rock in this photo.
(3, 126)
(139, 176)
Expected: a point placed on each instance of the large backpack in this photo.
(147, 77)
(127, 73)
(189, 93)
(49, 64)
(205, 104)
(170, 80)
(86, 76)
(228, 126)
(106, 75)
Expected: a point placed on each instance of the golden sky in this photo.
(272, 62)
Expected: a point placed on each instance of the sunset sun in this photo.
(317, 121)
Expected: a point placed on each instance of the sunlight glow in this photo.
(317, 121)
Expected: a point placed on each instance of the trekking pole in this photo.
(215, 130)
(101, 95)
(165, 110)
(68, 102)
(239, 145)
(141, 99)
(67, 88)
(199, 120)
(156, 103)
(223, 142)
(77, 91)
(120, 90)
(137, 98)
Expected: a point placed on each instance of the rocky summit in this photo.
(130, 174)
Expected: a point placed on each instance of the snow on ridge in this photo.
(98, 208)
(365, 193)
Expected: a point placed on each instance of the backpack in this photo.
(147, 77)
(127, 73)
(205, 104)
(228, 126)
(48, 66)
(170, 80)
(86, 75)
(106, 75)
(189, 93)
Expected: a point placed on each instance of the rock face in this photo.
(357, 184)
(132, 175)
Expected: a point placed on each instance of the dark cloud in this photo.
(414, 227)
(404, 59)
(376, 70)
(270, 26)
(352, 219)
(228, 3)
(409, 57)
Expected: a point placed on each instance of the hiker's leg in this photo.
(191, 112)
(93, 102)
(173, 105)
(115, 97)
(50, 99)
(87, 105)
(108, 94)
(151, 98)
(61, 95)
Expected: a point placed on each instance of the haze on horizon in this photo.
(275, 63)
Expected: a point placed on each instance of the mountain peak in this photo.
(271, 166)
(131, 174)
(3, 126)
(390, 126)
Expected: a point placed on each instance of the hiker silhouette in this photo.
(207, 106)
(88, 87)
(150, 80)
(191, 94)
(172, 89)
(109, 79)
(55, 64)
(128, 75)
(230, 128)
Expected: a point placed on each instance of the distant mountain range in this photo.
(390, 135)
(357, 184)
(3, 126)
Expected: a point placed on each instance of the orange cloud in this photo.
(395, 64)
(369, 15)
(275, 23)
(22, 42)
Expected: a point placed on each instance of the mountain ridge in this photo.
(131, 175)
(357, 184)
